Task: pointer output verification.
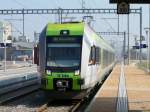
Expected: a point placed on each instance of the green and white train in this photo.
(73, 59)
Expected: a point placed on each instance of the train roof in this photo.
(77, 28)
(98, 40)
(104, 43)
(74, 28)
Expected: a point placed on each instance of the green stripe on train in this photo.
(56, 75)
(74, 29)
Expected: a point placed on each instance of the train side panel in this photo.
(94, 73)
(86, 47)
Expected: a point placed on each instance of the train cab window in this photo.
(63, 55)
(92, 58)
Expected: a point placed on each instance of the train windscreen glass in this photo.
(63, 55)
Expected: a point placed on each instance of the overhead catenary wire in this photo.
(26, 7)
(19, 3)
(105, 20)
(94, 3)
(80, 3)
(16, 29)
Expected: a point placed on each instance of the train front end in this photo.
(60, 59)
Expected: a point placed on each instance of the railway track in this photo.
(59, 106)
(37, 102)
(18, 93)
(25, 103)
(18, 85)
(68, 105)
(43, 108)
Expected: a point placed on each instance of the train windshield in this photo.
(63, 55)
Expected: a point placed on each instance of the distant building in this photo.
(22, 39)
(36, 37)
(19, 51)
(5, 32)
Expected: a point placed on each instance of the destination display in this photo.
(131, 1)
(64, 39)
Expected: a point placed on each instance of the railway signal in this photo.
(141, 46)
(136, 47)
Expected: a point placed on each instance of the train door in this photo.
(36, 55)
(92, 66)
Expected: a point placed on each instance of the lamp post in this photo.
(4, 40)
(4, 37)
(5, 55)
(147, 30)
(136, 44)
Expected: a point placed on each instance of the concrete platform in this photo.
(15, 64)
(16, 72)
(106, 98)
(138, 89)
(137, 83)
(23, 80)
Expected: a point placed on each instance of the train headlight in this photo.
(48, 72)
(77, 72)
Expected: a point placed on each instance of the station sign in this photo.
(131, 1)
(141, 46)
(136, 47)
(123, 8)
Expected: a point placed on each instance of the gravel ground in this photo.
(31, 103)
(23, 108)
(59, 109)
(28, 103)
(19, 108)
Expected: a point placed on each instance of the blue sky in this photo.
(52, 3)
(37, 22)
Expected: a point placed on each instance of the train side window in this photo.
(105, 58)
(92, 59)
(97, 55)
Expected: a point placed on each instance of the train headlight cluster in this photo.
(48, 72)
(77, 72)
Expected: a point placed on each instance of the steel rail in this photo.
(76, 106)
(43, 108)
(17, 93)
